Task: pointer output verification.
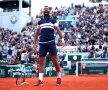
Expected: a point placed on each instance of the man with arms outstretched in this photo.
(45, 29)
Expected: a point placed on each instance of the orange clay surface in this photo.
(71, 82)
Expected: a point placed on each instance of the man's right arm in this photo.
(36, 35)
(36, 39)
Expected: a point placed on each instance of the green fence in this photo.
(97, 68)
(74, 57)
(50, 69)
(4, 71)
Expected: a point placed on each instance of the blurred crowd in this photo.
(17, 47)
(89, 33)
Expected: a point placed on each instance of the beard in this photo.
(46, 14)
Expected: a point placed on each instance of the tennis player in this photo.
(45, 30)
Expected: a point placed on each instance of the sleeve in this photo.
(55, 23)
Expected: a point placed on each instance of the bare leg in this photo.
(55, 61)
(41, 64)
(41, 67)
(57, 66)
(41, 71)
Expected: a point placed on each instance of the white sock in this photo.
(41, 76)
(58, 74)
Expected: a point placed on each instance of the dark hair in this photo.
(45, 6)
(23, 51)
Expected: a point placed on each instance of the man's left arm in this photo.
(57, 28)
(59, 32)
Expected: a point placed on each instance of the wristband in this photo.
(36, 42)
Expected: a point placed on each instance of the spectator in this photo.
(23, 57)
(35, 69)
(90, 28)
(104, 54)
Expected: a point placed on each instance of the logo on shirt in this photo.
(13, 19)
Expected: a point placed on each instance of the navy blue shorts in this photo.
(47, 47)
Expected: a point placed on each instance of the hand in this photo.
(62, 42)
(35, 46)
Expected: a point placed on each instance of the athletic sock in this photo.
(58, 74)
(41, 76)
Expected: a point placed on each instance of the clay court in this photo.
(71, 82)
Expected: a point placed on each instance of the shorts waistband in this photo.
(46, 42)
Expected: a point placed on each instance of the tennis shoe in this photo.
(58, 81)
(39, 83)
